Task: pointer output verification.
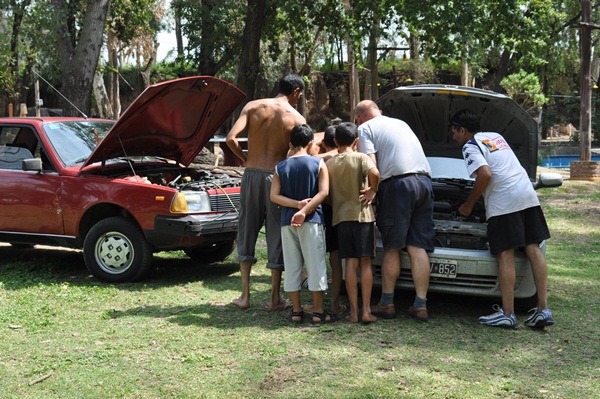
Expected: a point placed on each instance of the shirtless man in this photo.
(268, 123)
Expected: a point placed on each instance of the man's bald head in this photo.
(366, 110)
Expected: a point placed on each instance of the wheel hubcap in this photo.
(114, 253)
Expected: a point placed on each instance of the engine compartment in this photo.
(179, 178)
(452, 230)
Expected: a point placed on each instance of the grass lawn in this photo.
(175, 335)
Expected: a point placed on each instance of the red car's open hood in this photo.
(172, 119)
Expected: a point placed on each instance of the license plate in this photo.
(445, 269)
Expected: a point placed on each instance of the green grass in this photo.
(175, 335)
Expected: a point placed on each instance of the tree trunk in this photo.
(102, 101)
(18, 13)
(372, 76)
(413, 46)
(79, 59)
(353, 82)
(250, 57)
(464, 73)
(585, 114)
(114, 90)
(179, 37)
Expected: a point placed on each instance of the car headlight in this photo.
(191, 201)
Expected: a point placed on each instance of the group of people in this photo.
(317, 199)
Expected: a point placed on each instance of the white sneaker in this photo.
(500, 319)
(539, 319)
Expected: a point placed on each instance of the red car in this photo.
(123, 190)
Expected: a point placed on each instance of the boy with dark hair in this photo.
(300, 184)
(328, 150)
(351, 175)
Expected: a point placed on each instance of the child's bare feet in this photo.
(282, 304)
(241, 303)
(368, 318)
(351, 319)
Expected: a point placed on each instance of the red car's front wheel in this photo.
(115, 250)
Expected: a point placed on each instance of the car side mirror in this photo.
(549, 179)
(32, 164)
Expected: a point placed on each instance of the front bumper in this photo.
(477, 273)
(196, 225)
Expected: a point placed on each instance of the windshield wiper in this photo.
(80, 160)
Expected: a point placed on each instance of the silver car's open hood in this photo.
(428, 108)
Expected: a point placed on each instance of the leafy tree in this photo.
(214, 31)
(78, 47)
(131, 31)
(525, 89)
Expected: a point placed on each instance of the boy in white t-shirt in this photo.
(514, 216)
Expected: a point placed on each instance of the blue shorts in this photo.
(517, 229)
(405, 212)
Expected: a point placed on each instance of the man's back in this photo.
(269, 124)
(397, 149)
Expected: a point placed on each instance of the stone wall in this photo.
(585, 171)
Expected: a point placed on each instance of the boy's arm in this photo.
(367, 195)
(276, 195)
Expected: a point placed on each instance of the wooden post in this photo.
(11, 111)
(585, 169)
(38, 103)
(585, 115)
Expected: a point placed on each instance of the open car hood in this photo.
(172, 119)
(428, 108)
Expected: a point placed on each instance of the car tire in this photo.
(212, 253)
(115, 250)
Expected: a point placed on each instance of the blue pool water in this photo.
(564, 161)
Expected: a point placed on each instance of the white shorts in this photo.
(304, 245)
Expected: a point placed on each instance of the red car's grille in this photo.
(225, 202)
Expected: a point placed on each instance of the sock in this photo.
(387, 298)
(420, 303)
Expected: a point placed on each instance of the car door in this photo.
(29, 201)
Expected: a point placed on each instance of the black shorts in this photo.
(331, 234)
(517, 229)
(356, 240)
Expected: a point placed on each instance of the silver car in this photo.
(461, 262)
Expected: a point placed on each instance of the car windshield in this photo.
(74, 141)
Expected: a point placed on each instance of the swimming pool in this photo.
(564, 161)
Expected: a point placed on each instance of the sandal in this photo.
(324, 317)
(299, 314)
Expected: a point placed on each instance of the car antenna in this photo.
(56, 90)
